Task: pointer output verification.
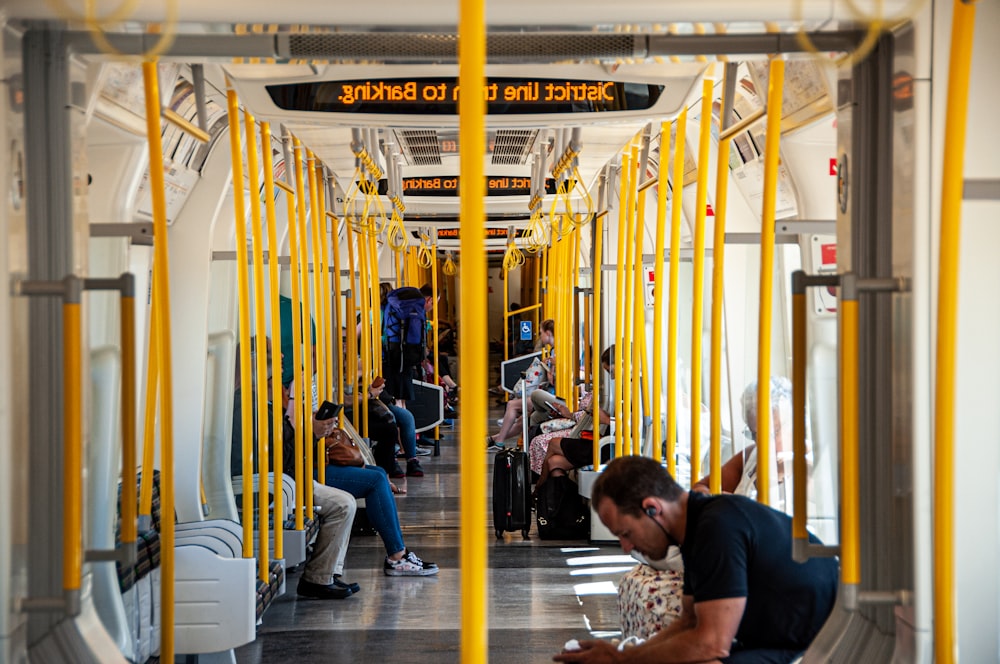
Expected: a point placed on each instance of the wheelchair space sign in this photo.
(525, 330)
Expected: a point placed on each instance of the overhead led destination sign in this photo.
(437, 185)
(439, 96)
(496, 185)
(491, 233)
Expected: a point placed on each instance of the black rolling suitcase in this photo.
(511, 492)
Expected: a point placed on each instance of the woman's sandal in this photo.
(396, 490)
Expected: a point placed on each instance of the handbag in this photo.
(342, 451)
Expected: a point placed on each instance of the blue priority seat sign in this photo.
(525, 330)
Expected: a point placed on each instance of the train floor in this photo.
(541, 594)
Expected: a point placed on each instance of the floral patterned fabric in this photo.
(539, 445)
(649, 600)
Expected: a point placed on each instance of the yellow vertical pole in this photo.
(546, 310)
(661, 227)
(621, 343)
(800, 535)
(161, 300)
(698, 299)
(320, 292)
(243, 287)
(338, 320)
(718, 284)
(149, 418)
(437, 316)
(628, 306)
(376, 307)
(293, 252)
(277, 429)
(351, 324)
(775, 85)
(953, 170)
(850, 563)
(640, 322)
(676, 212)
(575, 311)
(597, 274)
(365, 331)
(327, 335)
(263, 527)
(472, 130)
(304, 311)
(638, 333)
(315, 215)
(399, 267)
(129, 526)
(73, 442)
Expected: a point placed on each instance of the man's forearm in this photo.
(681, 646)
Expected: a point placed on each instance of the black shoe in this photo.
(319, 591)
(353, 587)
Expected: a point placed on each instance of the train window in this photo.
(439, 96)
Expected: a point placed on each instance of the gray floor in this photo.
(541, 593)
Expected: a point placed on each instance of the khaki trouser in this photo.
(335, 512)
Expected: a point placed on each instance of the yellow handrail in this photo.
(639, 373)
(263, 524)
(775, 85)
(953, 169)
(434, 321)
(297, 423)
(677, 183)
(621, 342)
(472, 138)
(277, 429)
(698, 279)
(376, 329)
(364, 300)
(799, 498)
(338, 326)
(318, 275)
(659, 248)
(351, 326)
(597, 272)
(149, 419)
(718, 285)
(628, 307)
(129, 530)
(72, 444)
(243, 286)
(323, 279)
(304, 309)
(850, 550)
(574, 361)
(161, 301)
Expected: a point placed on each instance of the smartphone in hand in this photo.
(328, 410)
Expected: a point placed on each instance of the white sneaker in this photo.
(408, 565)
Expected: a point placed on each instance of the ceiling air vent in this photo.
(511, 147)
(420, 146)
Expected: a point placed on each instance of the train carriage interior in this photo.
(706, 230)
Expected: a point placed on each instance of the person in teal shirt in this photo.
(285, 312)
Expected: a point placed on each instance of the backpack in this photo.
(561, 511)
(404, 327)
